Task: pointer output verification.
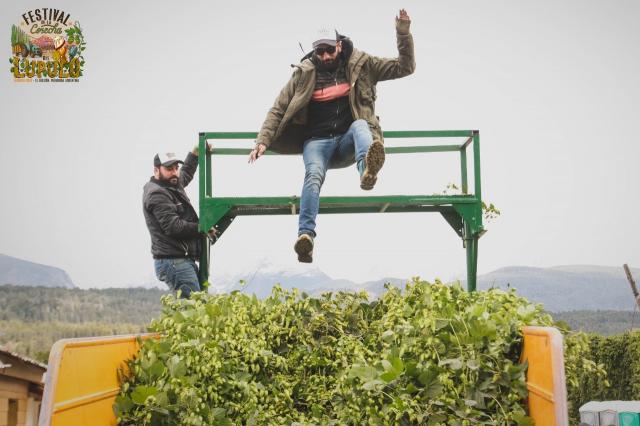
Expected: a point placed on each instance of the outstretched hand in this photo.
(257, 152)
(403, 16)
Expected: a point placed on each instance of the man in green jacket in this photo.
(327, 112)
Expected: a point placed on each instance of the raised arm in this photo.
(404, 64)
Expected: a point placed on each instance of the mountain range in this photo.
(311, 281)
(567, 288)
(558, 288)
(22, 272)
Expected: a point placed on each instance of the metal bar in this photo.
(632, 283)
(388, 150)
(201, 176)
(412, 149)
(389, 134)
(474, 263)
(237, 151)
(265, 202)
(272, 211)
(471, 245)
(203, 267)
(231, 135)
(204, 160)
(427, 133)
(476, 163)
(463, 170)
(209, 187)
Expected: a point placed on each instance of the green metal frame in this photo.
(462, 212)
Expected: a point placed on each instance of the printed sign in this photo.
(47, 45)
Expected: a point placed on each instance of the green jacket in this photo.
(284, 129)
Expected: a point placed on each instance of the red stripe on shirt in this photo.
(330, 93)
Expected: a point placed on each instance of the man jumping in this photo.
(327, 112)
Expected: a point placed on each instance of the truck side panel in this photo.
(82, 380)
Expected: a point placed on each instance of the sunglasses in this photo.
(321, 50)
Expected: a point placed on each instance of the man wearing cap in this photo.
(173, 222)
(327, 112)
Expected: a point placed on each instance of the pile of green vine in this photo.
(431, 354)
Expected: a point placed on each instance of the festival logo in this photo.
(47, 46)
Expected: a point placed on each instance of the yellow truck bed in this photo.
(82, 379)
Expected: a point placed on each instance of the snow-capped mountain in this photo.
(261, 278)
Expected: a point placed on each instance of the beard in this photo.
(170, 180)
(330, 65)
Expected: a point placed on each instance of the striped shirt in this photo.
(329, 110)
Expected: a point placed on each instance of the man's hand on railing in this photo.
(213, 234)
(257, 152)
(196, 149)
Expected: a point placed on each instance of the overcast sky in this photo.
(552, 86)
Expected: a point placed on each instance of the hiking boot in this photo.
(304, 248)
(372, 164)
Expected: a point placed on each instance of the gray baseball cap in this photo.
(325, 36)
(166, 159)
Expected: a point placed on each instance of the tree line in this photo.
(33, 318)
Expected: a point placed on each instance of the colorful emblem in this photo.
(47, 46)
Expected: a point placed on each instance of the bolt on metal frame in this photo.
(463, 212)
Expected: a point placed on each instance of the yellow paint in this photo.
(545, 376)
(82, 379)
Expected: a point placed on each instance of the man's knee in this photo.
(361, 125)
(360, 122)
(314, 175)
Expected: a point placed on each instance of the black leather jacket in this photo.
(170, 217)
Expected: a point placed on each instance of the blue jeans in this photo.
(320, 154)
(179, 274)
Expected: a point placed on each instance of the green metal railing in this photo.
(463, 212)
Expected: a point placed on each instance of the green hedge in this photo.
(618, 355)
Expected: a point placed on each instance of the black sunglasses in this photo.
(321, 50)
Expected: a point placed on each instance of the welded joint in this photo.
(466, 143)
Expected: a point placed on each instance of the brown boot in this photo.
(372, 164)
(304, 248)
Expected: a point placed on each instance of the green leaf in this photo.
(453, 363)
(522, 419)
(177, 367)
(429, 376)
(434, 390)
(157, 369)
(363, 372)
(411, 388)
(141, 393)
(372, 384)
(389, 376)
(123, 404)
(397, 364)
(218, 413)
